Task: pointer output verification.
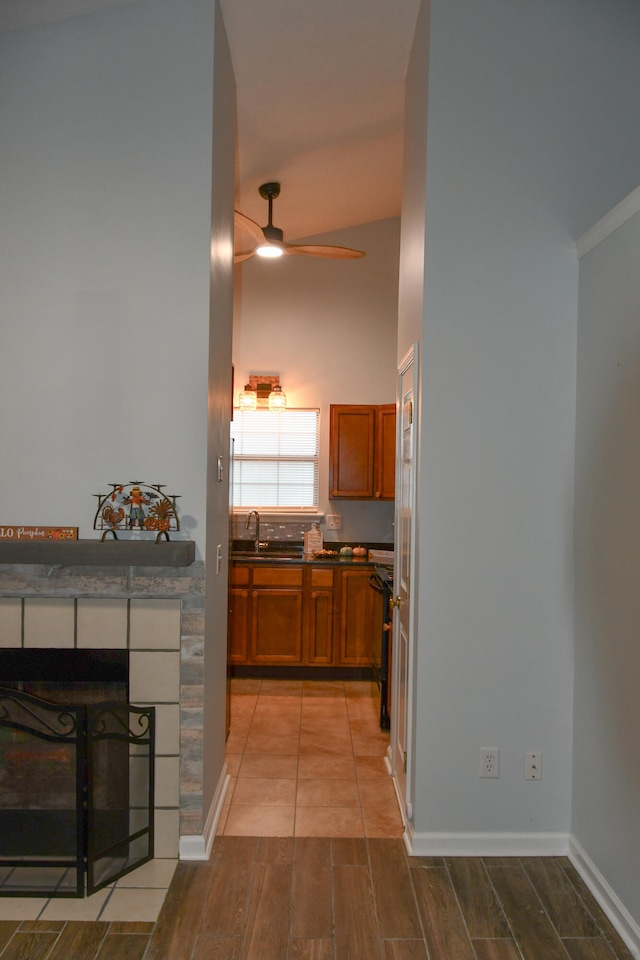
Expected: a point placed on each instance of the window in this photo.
(276, 459)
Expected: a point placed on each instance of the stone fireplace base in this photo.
(157, 614)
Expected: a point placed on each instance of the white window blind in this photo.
(276, 459)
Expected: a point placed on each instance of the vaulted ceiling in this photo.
(320, 89)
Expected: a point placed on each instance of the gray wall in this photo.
(111, 251)
(221, 326)
(105, 202)
(606, 777)
(531, 134)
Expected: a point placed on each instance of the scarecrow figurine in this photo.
(136, 511)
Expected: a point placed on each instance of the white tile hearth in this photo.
(102, 624)
(154, 625)
(154, 677)
(138, 897)
(49, 622)
(10, 621)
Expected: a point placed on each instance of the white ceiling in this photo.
(320, 87)
(320, 107)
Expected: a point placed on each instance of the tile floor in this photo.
(136, 897)
(306, 759)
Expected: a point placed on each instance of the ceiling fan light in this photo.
(269, 251)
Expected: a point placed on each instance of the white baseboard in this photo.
(615, 910)
(195, 847)
(487, 844)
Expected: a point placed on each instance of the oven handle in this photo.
(377, 583)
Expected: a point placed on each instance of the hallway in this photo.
(306, 759)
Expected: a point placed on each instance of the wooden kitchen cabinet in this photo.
(310, 615)
(276, 615)
(362, 451)
(319, 619)
(385, 478)
(359, 615)
(239, 614)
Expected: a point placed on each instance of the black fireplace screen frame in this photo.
(97, 763)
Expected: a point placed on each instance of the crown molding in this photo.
(626, 209)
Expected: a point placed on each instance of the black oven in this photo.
(382, 582)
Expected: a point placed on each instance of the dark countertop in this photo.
(303, 558)
(290, 552)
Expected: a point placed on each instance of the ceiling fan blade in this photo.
(243, 255)
(243, 222)
(323, 250)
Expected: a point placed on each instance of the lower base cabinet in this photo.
(239, 614)
(276, 626)
(302, 615)
(319, 617)
(359, 605)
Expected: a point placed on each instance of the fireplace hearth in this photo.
(76, 773)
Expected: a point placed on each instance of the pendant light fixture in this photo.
(263, 391)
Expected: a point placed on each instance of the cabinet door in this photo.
(360, 615)
(351, 452)
(319, 617)
(276, 626)
(239, 613)
(385, 478)
(239, 632)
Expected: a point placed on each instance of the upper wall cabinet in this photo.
(362, 452)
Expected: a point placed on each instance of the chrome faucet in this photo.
(254, 513)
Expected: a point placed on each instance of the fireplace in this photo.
(156, 613)
(76, 772)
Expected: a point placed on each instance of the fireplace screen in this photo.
(76, 794)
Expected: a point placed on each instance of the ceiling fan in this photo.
(270, 240)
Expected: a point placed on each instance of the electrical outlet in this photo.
(334, 521)
(489, 762)
(533, 765)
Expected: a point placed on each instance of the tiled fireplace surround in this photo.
(157, 613)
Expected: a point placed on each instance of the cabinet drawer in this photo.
(239, 575)
(321, 577)
(277, 576)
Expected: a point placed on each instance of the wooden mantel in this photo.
(107, 553)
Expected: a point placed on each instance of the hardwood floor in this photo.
(314, 898)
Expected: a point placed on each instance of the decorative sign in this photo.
(17, 532)
(136, 506)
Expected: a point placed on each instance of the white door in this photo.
(403, 605)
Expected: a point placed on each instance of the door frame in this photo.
(408, 363)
